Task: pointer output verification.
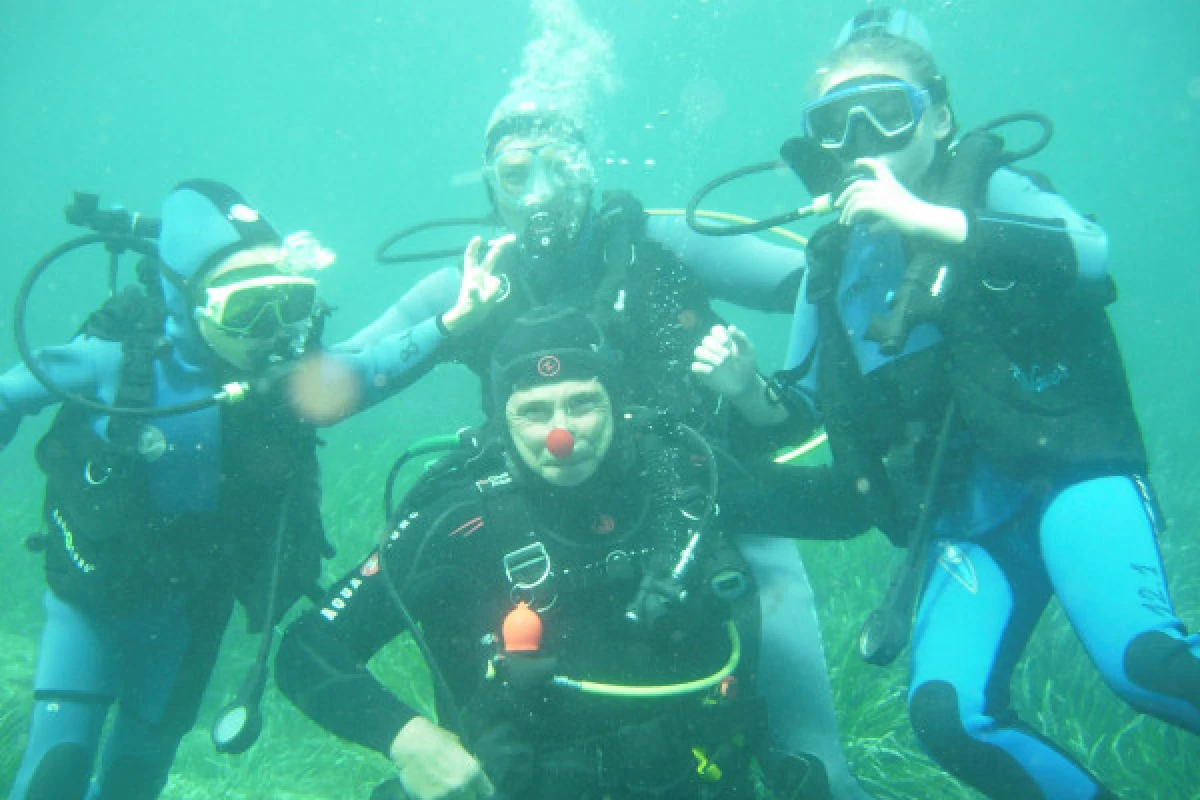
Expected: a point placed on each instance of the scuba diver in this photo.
(618, 266)
(951, 335)
(157, 522)
(514, 563)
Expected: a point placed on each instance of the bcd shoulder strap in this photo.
(135, 318)
(622, 229)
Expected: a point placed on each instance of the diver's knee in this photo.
(934, 712)
(1163, 664)
(62, 773)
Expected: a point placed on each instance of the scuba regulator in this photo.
(825, 176)
(120, 231)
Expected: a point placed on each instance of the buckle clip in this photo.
(527, 567)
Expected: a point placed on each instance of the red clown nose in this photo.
(560, 443)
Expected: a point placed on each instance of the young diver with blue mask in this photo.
(951, 335)
(157, 523)
(540, 179)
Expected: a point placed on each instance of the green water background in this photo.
(354, 118)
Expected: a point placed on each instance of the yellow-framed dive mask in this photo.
(259, 307)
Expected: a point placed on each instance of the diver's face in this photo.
(250, 311)
(541, 179)
(581, 408)
(912, 160)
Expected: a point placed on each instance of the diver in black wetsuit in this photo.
(520, 565)
(648, 284)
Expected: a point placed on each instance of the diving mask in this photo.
(259, 307)
(528, 173)
(890, 108)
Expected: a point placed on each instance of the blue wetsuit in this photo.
(146, 555)
(794, 675)
(1006, 540)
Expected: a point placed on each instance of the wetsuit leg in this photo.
(975, 619)
(62, 747)
(74, 686)
(1098, 541)
(137, 759)
(792, 674)
(139, 751)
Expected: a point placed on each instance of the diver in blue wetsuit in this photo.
(960, 302)
(540, 180)
(157, 524)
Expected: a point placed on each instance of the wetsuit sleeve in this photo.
(808, 502)
(402, 345)
(1031, 236)
(432, 296)
(75, 367)
(743, 270)
(322, 661)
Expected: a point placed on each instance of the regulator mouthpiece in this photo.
(560, 443)
(545, 233)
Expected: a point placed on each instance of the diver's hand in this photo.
(434, 765)
(480, 290)
(885, 197)
(725, 362)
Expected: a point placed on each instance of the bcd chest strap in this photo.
(540, 565)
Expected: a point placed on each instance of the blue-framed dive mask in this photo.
(867, 117)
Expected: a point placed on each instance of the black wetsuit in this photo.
(445, 557)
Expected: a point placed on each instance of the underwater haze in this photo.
(353, 119)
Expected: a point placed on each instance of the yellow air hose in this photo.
(725, 216)
(669, 690)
